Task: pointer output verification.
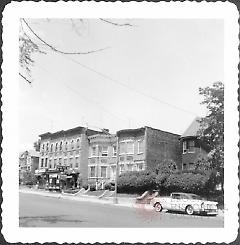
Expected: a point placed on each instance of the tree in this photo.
(167, 166)
(163, 171)
(31, 42)
(212, 126)
(28, 178)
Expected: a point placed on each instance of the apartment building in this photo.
(146, 147)
(64, 155)
(102, 158)
(28, 161)
(192, 146)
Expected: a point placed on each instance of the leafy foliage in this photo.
(136, 182)
(28, 178)
(212, 126)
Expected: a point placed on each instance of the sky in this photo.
(148, 74)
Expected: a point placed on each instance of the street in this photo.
(42, 211)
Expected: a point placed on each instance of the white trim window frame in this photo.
(104, 152)
(105, 171)
(93, 167)
(130, 147)
(184, 147)
(140, 142)
(93, 151)
(122, 148)
(114, 152)
(191, 146)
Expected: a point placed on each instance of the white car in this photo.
(185, 202)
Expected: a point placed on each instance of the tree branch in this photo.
(58, 50)
(25, 78)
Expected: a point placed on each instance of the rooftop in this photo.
(69, 131)
(142, 129)
(193, 128)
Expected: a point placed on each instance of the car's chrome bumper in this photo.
(209, 211)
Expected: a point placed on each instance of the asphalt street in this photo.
(42, 211)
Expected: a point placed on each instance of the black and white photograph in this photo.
(122, 122)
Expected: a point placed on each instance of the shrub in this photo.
(187, 182)
(29, 178)
(109, 186)
(136, 182)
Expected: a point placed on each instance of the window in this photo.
(122, 147)
(55, 163)
(129, 158)
(60, 161)
(42, 162)
(188, 146)
(51, 147)
(104, 151)
(78, 143)
(43, 147)
(76, 162)
(65, 161)
(191, 166)
(114, 150)
(56, 147)
(176, 196)
(72, 144)
(140, 167)
(47, 147)
(129, 167)
(104, 172)
(60, 147)
(50, 163)
(94, 151)
(121, 168)
(92, 171)
(130, 148)
(184, 146)
(191, 146)
(71, 162)
(121, 159)
(140, 146)
(46, 162)
(184, 166)
(66, 145)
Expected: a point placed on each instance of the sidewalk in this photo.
(122, 201)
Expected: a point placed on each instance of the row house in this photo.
(64, 150)
(28, 162)
(144, 148)
(102, 158)
(192, 146)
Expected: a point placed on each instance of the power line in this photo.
(55, 49)
(84, 97)
(129, 87)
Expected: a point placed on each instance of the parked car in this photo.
(185, 202)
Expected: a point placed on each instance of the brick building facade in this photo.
(64, 155)
(145, 147)
(192, 146)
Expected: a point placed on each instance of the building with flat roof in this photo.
(64, 156)
(146, 147)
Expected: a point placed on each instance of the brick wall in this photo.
(84, 158)
(162, 145)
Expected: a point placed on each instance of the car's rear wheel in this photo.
(189, 210)
(158, 207)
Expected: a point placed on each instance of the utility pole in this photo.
(116, 175)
